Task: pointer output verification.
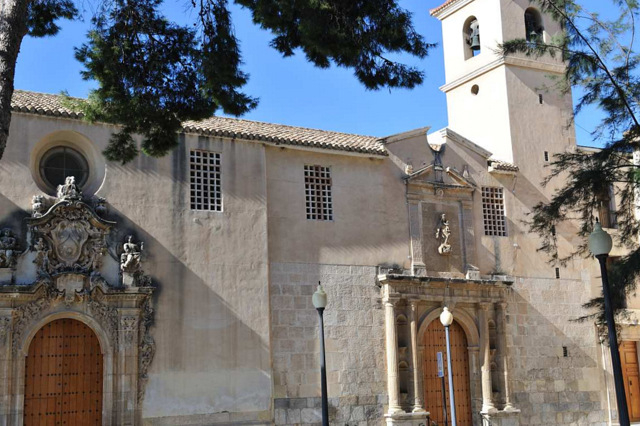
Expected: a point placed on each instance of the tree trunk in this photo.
(13, 27)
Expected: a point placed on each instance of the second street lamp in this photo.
(600, 244)
(319, 300)
(446, 318)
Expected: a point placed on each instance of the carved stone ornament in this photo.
(147, 347)
(128, 325)
(69, 190)
(8, 249)
(70, 237)
(131, 256)
(442, 234)
(37, 206)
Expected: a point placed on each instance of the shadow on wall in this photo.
(545, 381)
(207, 358)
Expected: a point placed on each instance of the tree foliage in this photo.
(153, 73)
(602, 64)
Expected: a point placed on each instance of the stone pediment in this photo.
(434, 175)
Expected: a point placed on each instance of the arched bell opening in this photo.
(64, 375)
(433, 341)
(534, 28)
(471, 37)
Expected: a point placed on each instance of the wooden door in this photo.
(63, 376)
(631, 375)
(434, 342)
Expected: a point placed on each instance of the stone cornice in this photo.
(509, 60)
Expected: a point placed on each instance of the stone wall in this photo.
(548, 387)
(354, 332)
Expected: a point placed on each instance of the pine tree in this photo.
(602, 64)
(153, 73)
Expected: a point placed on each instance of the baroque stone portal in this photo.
(76, 276)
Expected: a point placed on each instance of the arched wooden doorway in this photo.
(63, 376)
(434, 341)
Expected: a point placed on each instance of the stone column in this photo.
(418, 405)
(392, 357)
(501, 331)
(485, 351)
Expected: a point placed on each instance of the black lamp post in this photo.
(600, 244)
(319, 300)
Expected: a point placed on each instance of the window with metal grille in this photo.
(495, 222)
(204, 169)
(317, 188)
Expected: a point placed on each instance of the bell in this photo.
(533, 36)
(474, 37)
(474, 42)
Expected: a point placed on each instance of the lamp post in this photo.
(319, 300)
(446, 318)
(600, 244)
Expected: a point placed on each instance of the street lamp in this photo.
(319, 300)
(446, 318)
(600, 244)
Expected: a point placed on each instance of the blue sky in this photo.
(291, 91)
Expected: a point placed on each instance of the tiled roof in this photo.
(503, 166)
(442, 7)
(51, 105)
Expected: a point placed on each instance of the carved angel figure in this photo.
(37, 206)
(69, 190)
(443, 233)
(8, 249)
(42, 256)
(130, 258)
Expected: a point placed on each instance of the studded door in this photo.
(434, 342)
(63, 376)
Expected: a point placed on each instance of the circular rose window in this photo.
(59, 162)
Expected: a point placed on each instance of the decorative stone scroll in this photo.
(69, 237)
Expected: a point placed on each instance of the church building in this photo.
(177, 291)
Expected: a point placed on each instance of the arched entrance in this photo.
(434, 342)
(63, 376)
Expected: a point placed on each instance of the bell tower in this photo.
(506, 105)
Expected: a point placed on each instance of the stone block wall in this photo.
(354, 340)
(549, 387)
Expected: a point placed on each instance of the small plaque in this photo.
(440, 365)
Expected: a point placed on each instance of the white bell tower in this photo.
(506, 105)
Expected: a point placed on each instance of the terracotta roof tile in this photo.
(442, 7)
(503, 166)
(51, 105)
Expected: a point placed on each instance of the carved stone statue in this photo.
(8, 249)
(442, 234)
(69, 191)
(130, 258)
(100, 206)
(37, 206)
(42, 257)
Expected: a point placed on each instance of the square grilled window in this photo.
(317, 188)
(495, 222)
(204, 177)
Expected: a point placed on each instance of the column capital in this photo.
(502, 305)
(485, 306)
